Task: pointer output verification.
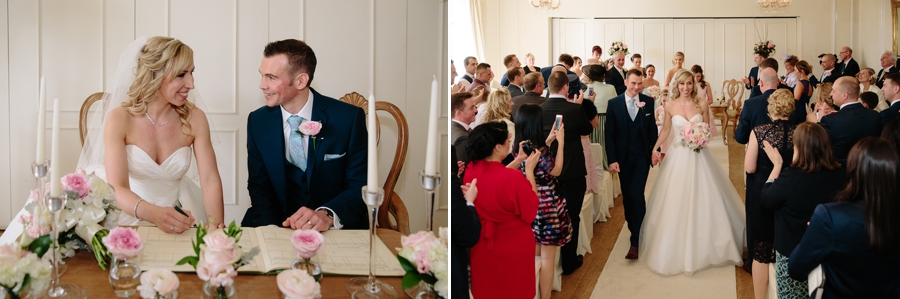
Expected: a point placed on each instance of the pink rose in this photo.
(422, 262)
(310, 128)
(307, 242)
(76, 182)
(297, 284)
(422, 238)
(219, 249)
(10, 253)
(641, 104)
(158, 281)
(771, 45)
(217, 275)
(123, 243)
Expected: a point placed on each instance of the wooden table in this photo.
(721, 110)
(84, 272)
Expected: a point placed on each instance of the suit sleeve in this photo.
(742, 132)
(775, 194)
(263, 201)
(651, 127)
(610, 133)
(816, 245)
(348, 204)
(584, 125)
(460, 145)
(464, 219)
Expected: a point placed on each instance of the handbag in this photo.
(820, 289)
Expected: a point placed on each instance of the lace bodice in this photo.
(779, 134)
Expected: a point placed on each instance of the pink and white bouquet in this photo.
(764, 46)
(218, 256)
(297, 284)
(618, 46)
(424, 257)
(158, 283)
(653, 91)
(695, 136)
(22, 270)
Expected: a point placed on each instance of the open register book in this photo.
(346, 252)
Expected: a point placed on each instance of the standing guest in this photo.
(507, 205)
(813, 177)
(466, 230)
(566, 62)
(596, 52)
(463, 110)
(760, 220)
(576, 68)
(483, 77)
(802, 91)
(552, 226)
(772, 64)
(600, 96)
(458, 87)
(869, 100)
(753, 78)
(636, 62)
(790, 78)
(529, 64)
(534, 85)
(616, 74)
(510, 61)
(516, 77)
(754, 112)
(891, 132)
(479, 99)
(830, 74)
(677, 64)
(704, 92)
(891, 90)
(848, 66)
(590, 112)
(470, 63)
(648, 77)
(852, 122)
(866, 79)
(887, 67)
(498, 106)
(857, 238)
(571, 180)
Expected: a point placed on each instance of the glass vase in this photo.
(421, 291)
(124, 277)
(174, 295)
(213, 292)
(310, 265)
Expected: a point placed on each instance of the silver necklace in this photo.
(164, 123)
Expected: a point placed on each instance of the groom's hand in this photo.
(614, 168)
(306, 218)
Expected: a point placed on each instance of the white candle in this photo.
(431, 142)
(42, 124)
(372, 182)
(54, 152)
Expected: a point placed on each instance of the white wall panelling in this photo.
(77, 46)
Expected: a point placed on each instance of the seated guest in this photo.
(857, 238)
(483, 77)
(516, 79)
(891, 90)
(510, 61)
(507, 205)
(866, 79)
(802, 91)
(529, 64)
(773, 64)
(852, 122)
(848, 66)
(534, 85)
(466, 230)
(887, 67)
(463, 111)
(812, 177)
(868, 99)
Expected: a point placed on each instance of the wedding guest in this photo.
(891, 90)
(466, 230)
(499, 105)
(772, 64)
(636, 63)
(616, 74)
(754, 112)
(760, 220)
(590, 112)
(596, 52)
(677, 63)
(812, 177)
(824, 104)
(463, 111)
(529, 64)
(566, 61)
(852, 122)
(516, 77)
(887, 67)
(510, 61)
(458, 87)
(856, 239)
(534, 85)
(507, 205)
(790, 78)
(576, 68)
(648, 77)
(866, 79)
(830, 74)
(601, 95)
(704, 92)
(891, 132)
(753, 78)
(552, 227)
(471, 63)
(483, 77)
(848, 66)
(802, 91)
(479, 98)
(868, 99)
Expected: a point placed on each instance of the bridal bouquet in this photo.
(695, 135)
(424, 257)
(654, 91)
(218, 257)
(89, 217)
(764, 46)
(23, 270)
(618, 46)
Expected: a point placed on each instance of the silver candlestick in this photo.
(431, 183)
(40, 172)
(370, 287)
(60, 290)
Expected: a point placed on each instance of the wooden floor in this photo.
(581, 283)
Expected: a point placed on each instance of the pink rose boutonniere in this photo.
(310, 128)
(640, 105)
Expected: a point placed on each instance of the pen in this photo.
(177, 208)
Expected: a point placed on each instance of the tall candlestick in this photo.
(372, 182)
(42, 124)
(54, 152)
(431, 142)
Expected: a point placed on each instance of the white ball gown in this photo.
(695, 218)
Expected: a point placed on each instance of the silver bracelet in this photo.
(134, 211)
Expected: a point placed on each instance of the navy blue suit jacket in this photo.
(849, 125)
(890, 113)
(335, 183)
(754, 74)
(837, 239)
(616, 130)
(755, 113)
(615, 79)
(849, 68)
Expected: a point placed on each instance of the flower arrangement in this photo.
(307, 243)
(298, 284)
(764, 46)
(123, 243)
(24, 270)
(158, 283)
(618, 46)
(424, 257)
(654, 91)
(217, 256)
(310, 128)
(695, 135)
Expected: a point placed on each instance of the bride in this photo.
(149, 128)
(695, 218)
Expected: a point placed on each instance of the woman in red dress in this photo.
(503, 260)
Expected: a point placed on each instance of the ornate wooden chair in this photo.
(85, 108)
(392, 214)
(734, 94)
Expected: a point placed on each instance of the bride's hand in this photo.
(169, 220)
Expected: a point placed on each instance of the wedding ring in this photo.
(172, 228)
(309, 222)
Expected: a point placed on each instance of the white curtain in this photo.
(477, 8)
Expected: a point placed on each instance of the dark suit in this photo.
(458, 138)
(890, 113)
(529, 97)
(574, 82)
(571, 180)
(630, 143)
(467, 78)
(835, 73)
(880, 77)
(852, 123)
(466, 232)
(849, 68)
(514, 90)
(616, 80)
(503, 80)
(754, 76)
(278, 188)
(837, 238)
(755, 91)
(755, 113)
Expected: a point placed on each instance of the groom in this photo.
(310, 180)
(630, 137)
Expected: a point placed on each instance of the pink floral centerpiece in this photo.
(424, 257)
(23, 269)
(764, 46)
(217, 259)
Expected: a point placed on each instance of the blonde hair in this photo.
(781, 104)
(680, 76)
(497, 106)
(162, 57)
(825, 94)
(871, 74)
(676, 55)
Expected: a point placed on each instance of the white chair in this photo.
(587, 225)
(604, 199)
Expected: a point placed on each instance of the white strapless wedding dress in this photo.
(695, 218)
(162, 184)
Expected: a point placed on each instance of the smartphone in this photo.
(557, 122)
(590, 91)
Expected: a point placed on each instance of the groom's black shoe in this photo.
(579, 260)
(632, 253)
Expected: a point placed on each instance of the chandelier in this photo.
(773, 5)
(548, 5)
